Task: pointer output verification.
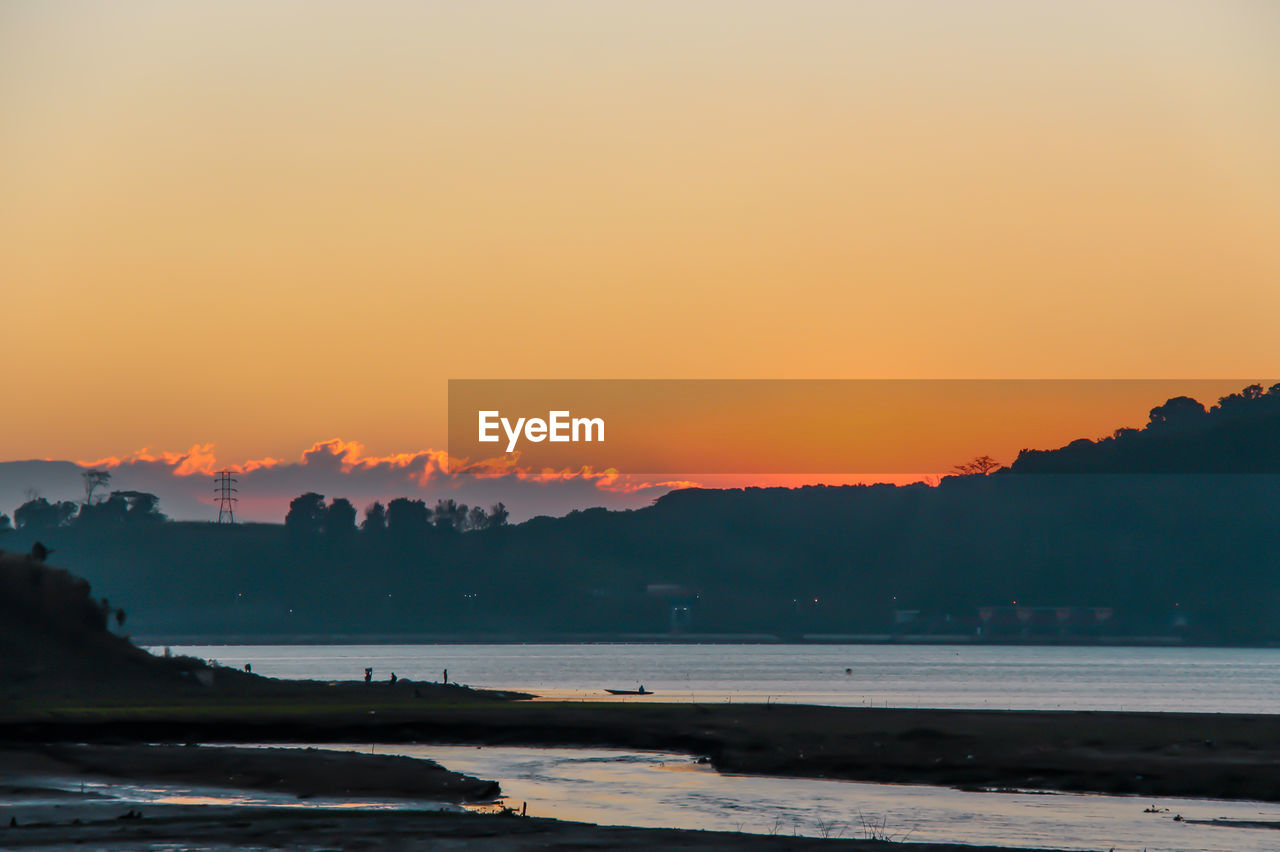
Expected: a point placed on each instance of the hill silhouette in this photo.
(53, 634)
(1130, 551)
(1240, 434)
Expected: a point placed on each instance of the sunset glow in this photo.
(248, 225)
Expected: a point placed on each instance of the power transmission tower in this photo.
(224, 487)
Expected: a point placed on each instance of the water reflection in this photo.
(113, 794)
(671, 790)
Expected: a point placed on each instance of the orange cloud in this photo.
(200, 459)
(424, 466)
(352, 455)
(608, 479)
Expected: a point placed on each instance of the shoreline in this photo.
(39, 808)
(302, 772)
(222, 828)
(1222, 756)
(159, 640)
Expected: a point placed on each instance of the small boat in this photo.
(640, 691)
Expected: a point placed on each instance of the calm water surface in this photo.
(647, 789)
(1037, 678)
(669, 790)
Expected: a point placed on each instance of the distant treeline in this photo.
(119, 509)
(1194, 556)
(1241, 434)
(309, 516)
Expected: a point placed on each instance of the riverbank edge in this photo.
(1221, 756)
(418, 831)
(160, 640)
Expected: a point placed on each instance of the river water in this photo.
(1210, 680)
(614, 787)
(652, 789)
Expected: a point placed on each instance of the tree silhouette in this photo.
(143, 506)
(306, 514)
(1180, 412)
(375, 517)
(407, 517)
(340, 518)
(39, 513)
(979, 466)
(93, 480)
(111, 512)
(477, 519)
(449, 515)
(120, 509)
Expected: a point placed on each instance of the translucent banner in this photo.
(844, 426)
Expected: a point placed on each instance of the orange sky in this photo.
(264, 224)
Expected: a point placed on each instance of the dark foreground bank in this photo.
(304, 773)
(1225, 756)
(372, 831)
(42, 807)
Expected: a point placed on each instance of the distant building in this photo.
(668, 590)
(1042, 620)
(680, 598)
